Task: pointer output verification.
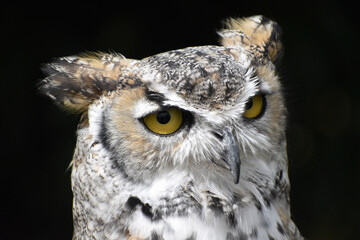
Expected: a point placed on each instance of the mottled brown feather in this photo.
(258, 35)
(75, 82)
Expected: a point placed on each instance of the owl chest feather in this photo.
(173, 205)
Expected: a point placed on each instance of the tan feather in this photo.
(258, 35)
(75, 82)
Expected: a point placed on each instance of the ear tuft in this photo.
(75, 82)
(258, 35)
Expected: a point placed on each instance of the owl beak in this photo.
(231, 154)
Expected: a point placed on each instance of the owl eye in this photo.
(164, 122)
(255, 106)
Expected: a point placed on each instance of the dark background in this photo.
(320, 74)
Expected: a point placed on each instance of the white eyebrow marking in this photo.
(144, 107)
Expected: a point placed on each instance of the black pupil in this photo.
(249, 104)
(163, 117)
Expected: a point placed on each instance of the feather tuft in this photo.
(75, 82)
(258, 35)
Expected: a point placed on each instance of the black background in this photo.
(319, 73)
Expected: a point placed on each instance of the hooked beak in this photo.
(231, 154)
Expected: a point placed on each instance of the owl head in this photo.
(214, 112)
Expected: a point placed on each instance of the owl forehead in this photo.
(205, 77)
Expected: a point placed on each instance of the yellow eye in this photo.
(164, 122)
(255, 106)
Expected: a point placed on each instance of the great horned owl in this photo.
(186, 144)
